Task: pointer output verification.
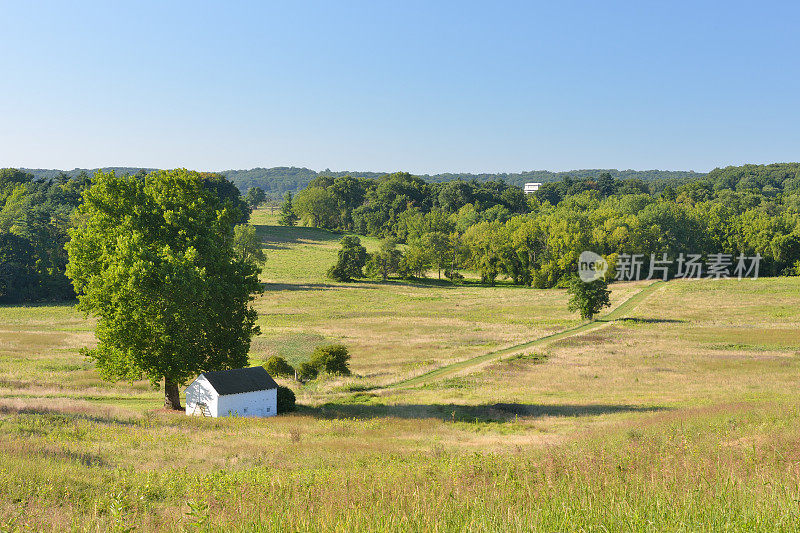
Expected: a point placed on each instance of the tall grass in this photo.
(682, 417)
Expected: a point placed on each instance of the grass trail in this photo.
(448, 370)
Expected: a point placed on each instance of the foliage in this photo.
(277, 181)
(491, 228)
(287, 216)
(331, 359)
(286, 400)
(228, 194)
(34, 218)
(588, 298)
(255, 197)
(316, 207)
(154, 259)
(277, 366)
(37, 209)
(306, 371)
(351, 260)
(247, 245)
(19, 279)
(385, 261)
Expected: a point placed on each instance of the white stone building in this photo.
(237, 392)
(531, 187)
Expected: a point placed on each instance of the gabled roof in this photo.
(240, 380)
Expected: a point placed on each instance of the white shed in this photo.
(237, 392)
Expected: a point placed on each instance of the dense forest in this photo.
(277, 181)
(494, 229)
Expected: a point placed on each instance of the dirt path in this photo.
(618, 312)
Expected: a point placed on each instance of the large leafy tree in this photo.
(351, 260)
(588, 298)
(316, 206)
(255, 197)
(153, 257)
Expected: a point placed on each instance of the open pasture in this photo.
(681, 415)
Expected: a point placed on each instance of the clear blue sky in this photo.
(418, 86)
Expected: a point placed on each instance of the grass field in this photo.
(681, 415)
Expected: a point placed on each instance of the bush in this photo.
(286, 399)
(307, 371)
(277, 366)
(331, 359)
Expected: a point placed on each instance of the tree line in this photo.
(494, 229)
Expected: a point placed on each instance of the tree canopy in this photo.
(351, 260)
(153, 258)
(588, 297)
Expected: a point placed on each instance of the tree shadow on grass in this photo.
(312, 286)
(53, 303)
(439, 283)
(498, 412)
(652, 320)
(276, 235)
(270, 287)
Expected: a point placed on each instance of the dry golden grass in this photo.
(682, 417)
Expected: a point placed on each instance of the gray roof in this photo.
(240, 380)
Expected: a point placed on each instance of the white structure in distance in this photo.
(531, 187)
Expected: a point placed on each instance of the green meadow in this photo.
(468, 410)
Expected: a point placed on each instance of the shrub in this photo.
(331, 359)
(307, 371)
(286, 399)
(277, 366)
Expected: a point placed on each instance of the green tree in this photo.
(288, 216)
(489, 248)
(588, 298)
(331, 359)
(153, 259)
(351, 260)
(416, 260)
(255, 197)
(316, 206)
(226, 191)
(19, 279)
(385, 261)
(438, 246)
(247, 245)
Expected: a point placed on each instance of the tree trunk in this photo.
(172, 397)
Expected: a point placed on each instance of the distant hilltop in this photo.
(276, 181)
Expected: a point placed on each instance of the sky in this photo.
(424, 87)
